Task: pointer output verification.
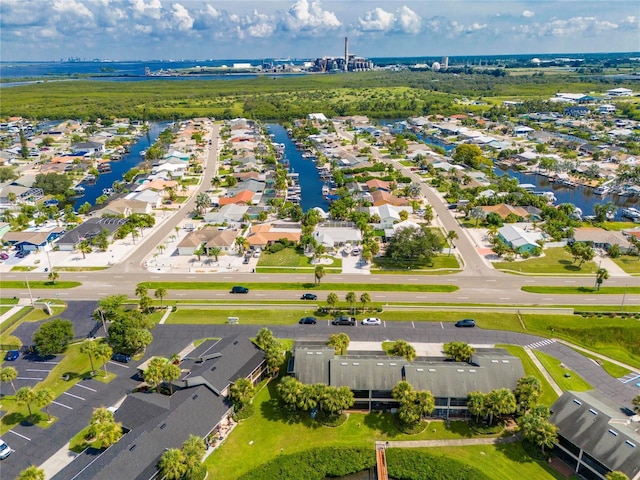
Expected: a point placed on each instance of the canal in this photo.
(581, 197)
(132, 159)
(310, 182)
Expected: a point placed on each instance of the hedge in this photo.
(408, 464)
(315, 464)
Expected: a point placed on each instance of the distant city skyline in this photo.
(43, 30)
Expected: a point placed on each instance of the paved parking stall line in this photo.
(83, 386)
(20, 435)
(62, 405)
(29, 378)
(35, 370)
(118, 364)
(51, 363)
(72, 395)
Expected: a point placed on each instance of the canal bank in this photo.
(309, 178)
(118, 168)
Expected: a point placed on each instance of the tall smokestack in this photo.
(346, 53)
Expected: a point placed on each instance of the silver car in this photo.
(371, 321)
(5, 451)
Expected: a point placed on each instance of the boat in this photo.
(107, 191)
(143, 153)
(550, 196)
(325, 190)
(611, 215)
(602, 190)
(78, 190)
(104, 167)
(577, 213)
(631, 212)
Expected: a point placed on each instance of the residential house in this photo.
(519, 239)
(377, 184)
(337, 234)
(88, 229)
(208, 237)
(606, 109)
(266, 234)
(576, 111)
(122, 207)
(32, 239)
(620, 92)
(522, 130)
(505, 210)
(243, 197)
(372, 375)
(381, 197)
(22, 194)
(93, 148)
(595, 437)
(601, 238)
(231, 214)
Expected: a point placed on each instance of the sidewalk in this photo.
(459, 442)
(543, 371)
(22, 302)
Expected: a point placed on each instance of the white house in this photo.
(522, 130)
(620, 92)
(606, 108)
(334, 236)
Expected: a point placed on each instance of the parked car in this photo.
(12, 355)
(467, 322)
(355, 252)
(257, 252)
(121, 357)
(309, 296)
(344, 320)
(371, 321)
(307, 321)
(22, 253)
(238, 289)
(5, 451)
(3, 256)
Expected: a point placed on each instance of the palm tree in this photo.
(615, 475)
(401, 348)
(475, 404)
(364, 299)
(202, 202)
(636, 403)
(9, 374)
(44, 399)
(160, 293)
(601, 275)
(401, 390)
(527, 392)
(500, 402)
(103, 427)
(26, 396)
(198, 252)
(31, 473)
(290, 390)
(539, 431)
(215, 252)
(84, 247)
(319, 273)
(351, 298)
(142, 290)
(339, 341)
(104, 353)
(459, 351)
(477, 213)
(89, 347)
(332, 300)
(170, 373)
(241, 393)
(451, 236)
(53, 276)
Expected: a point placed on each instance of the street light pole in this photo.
(29, 288)
(624, 294)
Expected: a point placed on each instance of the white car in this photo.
(5, 451)
(371, 321)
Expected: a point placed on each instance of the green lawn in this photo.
(38, 284)
(578, 290)
(9, 301)
(363, 287)
(554, 261)
(559, 373)
(628, 263)
(292, 257)
(548, 396)
(268, 433)
(442, 265)
(500, 462)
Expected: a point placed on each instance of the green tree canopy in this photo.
(52, 337)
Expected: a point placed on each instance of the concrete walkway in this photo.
(458, 442)
(22, 302)
(543, 371)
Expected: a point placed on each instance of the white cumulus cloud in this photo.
(377, 20)
(153, 9)
(311, 17)
(408, 20)
(181, 17)
(528, 14)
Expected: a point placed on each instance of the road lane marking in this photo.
(505, 298)
(84, 386)
(20, 435)
(442, 325)
(117, 276)
(463, 298)
(29, 378)
(82, 276)
(62, 405)
(547, 299)
(529, 281)
(72, 395)
(413, 324)
(36, 370)
(569, 281)
(489, 280)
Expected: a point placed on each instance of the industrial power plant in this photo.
(346, 63)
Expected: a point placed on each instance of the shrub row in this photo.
(408, 464)
(315, 464)
(608, 314)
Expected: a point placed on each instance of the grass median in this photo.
(365, 287)
(36, 284)
(564, 377)
(582, 290)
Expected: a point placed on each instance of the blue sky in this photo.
(204, 29)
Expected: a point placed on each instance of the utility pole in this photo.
(29, 288)
(624, 294)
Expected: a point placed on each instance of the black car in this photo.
(344, 320)
(307, 321)
(309, 296)
(467, 322)
(121, 357)
(238, 289)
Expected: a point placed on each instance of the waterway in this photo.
(120, 167)
(581, 197)
(310, 182)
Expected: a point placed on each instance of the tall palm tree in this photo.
(601, 275)
(241, 393)
(475, 404)
(84, 247)
(332, 299)
(104, 353)
(364, 299)
(319, 272)
(53, 276)
(500, 402)
(89, 347)
(31, 473)
(351, 298)
(636, 403)
(142, 290)
(451, 236)
(26, 396)
(44, 398)
(160, 293)
(9, 374)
